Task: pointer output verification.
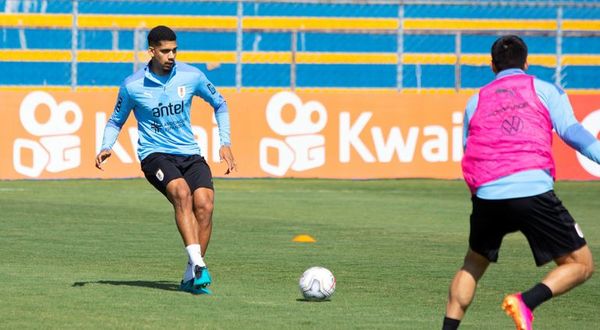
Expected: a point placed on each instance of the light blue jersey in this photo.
(535, 182)
(161, 106)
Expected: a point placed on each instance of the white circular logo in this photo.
(579, 232)
(591, 123)
(303, 123)
(58, 123)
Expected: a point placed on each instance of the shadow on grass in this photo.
(161, 285)
(312, 300)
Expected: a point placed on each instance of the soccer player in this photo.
(160, 96)
(509, 169)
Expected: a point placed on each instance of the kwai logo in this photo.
(57, 149)
(592, 123)
(301, 148)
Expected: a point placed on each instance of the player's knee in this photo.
(586, 269)
(208, 207)
(204, 209)
(180, 195)
(588, 265)
(589, 270)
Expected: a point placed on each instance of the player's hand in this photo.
(226, 155)
(101, 158)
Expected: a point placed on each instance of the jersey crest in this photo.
(181, 91)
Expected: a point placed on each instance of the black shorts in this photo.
(545, 222)
(160, 169)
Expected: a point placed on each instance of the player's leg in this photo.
(195, 281)
(199, 178)
(552, 235)
(571, 271)
(203, 206)
(462, 288)
(203, 200)
(162, 172)
(485, 237)
(178, 193)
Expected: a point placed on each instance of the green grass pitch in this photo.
(106, 254)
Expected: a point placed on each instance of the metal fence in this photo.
(401, 45)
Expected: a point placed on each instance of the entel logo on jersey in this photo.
(167, 110)
(57, 149)
(301, 149)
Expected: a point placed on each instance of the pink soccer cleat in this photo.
(514, 306)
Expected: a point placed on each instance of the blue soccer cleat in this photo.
(188, 286)
(203, 290)
(201, 277)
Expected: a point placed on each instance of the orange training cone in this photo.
(303, 239)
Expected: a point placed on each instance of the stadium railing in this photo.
(375, 52)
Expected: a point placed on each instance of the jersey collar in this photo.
(148, 73)
(509, 72)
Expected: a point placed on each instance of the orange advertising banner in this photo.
(354, 135)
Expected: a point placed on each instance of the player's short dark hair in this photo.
(509, 52)
(160, 33)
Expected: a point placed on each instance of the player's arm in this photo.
(206, 90)
(225, 154)
(469, 112)
(113, 126)
(568, 127)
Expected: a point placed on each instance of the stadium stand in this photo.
(400, 45)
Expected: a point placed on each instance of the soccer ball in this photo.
(317, 283)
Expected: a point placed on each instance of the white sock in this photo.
(195, 255)
(189, 272)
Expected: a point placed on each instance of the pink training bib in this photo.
(510, 132)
